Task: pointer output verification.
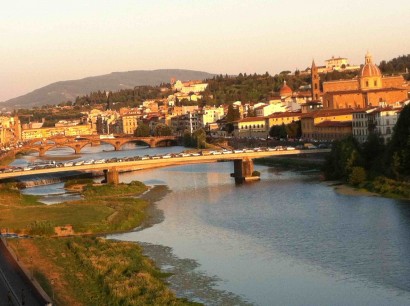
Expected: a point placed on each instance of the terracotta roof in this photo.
(370, 70)
(285, 90)
(249, 119)
(328, 113)
(358, 91)
(285, 114)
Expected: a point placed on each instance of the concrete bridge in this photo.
(243, 164)
(78, 143)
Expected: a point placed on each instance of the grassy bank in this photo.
(95, 271)
(388, 187)
(104, 208)
(86, 270)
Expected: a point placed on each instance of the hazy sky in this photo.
(44, 41)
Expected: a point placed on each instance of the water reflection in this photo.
(287, 240)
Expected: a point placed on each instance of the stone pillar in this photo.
(247, 167)
(152, 143)
(117, 146)
(77, 149)
(112, 176)
(42, 152)
(243, 169)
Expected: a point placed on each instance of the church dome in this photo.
(285, 90)
(369, 69)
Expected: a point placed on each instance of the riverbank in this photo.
(86, 269)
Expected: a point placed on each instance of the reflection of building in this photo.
(369, 89)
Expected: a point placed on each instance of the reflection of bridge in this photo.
(243, 164)
(78, 143)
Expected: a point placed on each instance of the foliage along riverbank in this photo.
(373, 165)
(86, 269)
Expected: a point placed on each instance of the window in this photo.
(367, 83)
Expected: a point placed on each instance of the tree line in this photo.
(374, 165)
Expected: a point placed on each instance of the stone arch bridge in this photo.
(78, 143)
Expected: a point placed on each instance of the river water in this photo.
(286, 240)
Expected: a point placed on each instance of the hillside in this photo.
(69, 90)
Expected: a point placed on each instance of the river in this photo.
(286, 240)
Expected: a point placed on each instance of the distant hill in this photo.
(68, 90)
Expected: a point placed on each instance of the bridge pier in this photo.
(111, 176)
(77, 149)
(42, 152)
(243, 170)
(117, 146)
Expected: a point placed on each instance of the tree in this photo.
(278, 131)
(142, 130)
(232, 114)
(345, 155)
(162, 130)
(357, 176)
(373, 154)
(398, 152)
(294, 129)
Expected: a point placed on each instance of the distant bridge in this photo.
(243, 164)
(78, 143)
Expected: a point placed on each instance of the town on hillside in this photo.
(323, 110)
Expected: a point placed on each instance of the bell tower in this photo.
(315, 86)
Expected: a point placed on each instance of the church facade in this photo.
(370, 88)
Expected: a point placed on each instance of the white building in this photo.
(386, 119)
(211, 115)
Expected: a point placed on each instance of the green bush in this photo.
(357, 176)
(41, 228)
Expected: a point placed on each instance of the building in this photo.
(189, 122)
(43, 133)
(385, 121)
(315, 87)
(313, 129)
(370, 88)
(211, 115)
(363, 123)
(130, 122)
(282, 118)
(10, 131)
(339, 64)
(250, 127)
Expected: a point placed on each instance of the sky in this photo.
(46, 41)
